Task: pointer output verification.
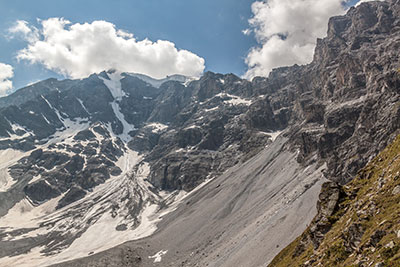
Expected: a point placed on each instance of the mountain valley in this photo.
(120, 169)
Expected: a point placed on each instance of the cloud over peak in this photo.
(287, 31)
(78, 50)
(6, 73)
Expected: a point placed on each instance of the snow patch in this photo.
(35, 258)
(157, 127)
(71, 128)
(60, 118)
(158, 82)
(234, 100)
(126, 126)
(274, 135)
(7, 158)
(12, 136)
(334, 106)
(192, 127)
(35, 179)
(83, 106)
(32, 215)
(211, 109)
(158, 256)
(114, 85)
(98, 225)
(103, 235)
(189, 80)
(46, 120)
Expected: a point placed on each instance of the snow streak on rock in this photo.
(126, 207)
(114, 85)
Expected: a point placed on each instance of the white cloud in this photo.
(287, 31)
(78, 50)
(247, 31)
(6, 73)
(21, 28)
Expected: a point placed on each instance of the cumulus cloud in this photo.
(78, 50)
(287, 31)
(22, 28)
(6, 73)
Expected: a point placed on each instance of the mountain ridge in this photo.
(220, 137)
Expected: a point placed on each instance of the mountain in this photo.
(216, 171)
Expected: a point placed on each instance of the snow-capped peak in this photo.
(158, 82)
(114, 84)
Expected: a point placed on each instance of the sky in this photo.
(72, 39)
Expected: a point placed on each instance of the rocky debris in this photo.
(120, 257)
(352, 237)
(376, 237)
(396, 190)
(328, 199)
(327, 205)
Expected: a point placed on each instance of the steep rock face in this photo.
(349, 91)
(362, 222)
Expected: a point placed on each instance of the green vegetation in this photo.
(366, 227)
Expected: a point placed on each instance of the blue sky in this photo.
(208, 29)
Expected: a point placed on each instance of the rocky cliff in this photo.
(356, 225)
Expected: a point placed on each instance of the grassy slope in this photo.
(370, 207)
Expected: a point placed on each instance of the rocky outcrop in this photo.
(357, 227)
(327, 205)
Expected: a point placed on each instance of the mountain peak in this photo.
(158, 82)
